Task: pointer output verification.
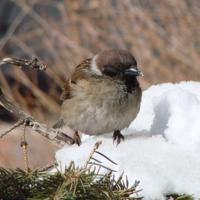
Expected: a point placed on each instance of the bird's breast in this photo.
(100, 107)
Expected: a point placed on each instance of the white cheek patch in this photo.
(94, 67)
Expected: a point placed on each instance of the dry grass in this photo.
(163, 36)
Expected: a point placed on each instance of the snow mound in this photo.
(161, 147)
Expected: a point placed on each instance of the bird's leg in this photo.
(117, 135)
(76, 139)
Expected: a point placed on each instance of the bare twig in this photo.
(32, 63)
(96, 146)
(50, 165)
(20, 122)
(59, 138)
(24, 145)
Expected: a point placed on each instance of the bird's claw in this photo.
(76, 139)
(117, 135)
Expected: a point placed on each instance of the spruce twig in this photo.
(24, 145)
(106, 157)
(50, 165)
(96, 146)
(72, 184)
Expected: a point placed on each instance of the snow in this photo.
(161, 147)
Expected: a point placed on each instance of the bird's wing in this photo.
(78, 74)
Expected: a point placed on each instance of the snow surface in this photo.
(161, 147)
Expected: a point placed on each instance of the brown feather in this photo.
(78, 74)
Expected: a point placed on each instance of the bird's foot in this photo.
(117, 135)
(76, 139)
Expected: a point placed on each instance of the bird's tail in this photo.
(59, 124)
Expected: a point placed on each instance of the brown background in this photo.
(162, 35)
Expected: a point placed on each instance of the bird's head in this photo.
(115, 64)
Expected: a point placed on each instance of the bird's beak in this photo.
(133, 72)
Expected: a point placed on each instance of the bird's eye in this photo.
(118, 65)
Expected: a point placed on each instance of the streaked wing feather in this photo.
(77, 75)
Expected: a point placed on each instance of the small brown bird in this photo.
(102, 95)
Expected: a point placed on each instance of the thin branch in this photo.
(59, 138)
(32, 63)
(24, 145)
(50, 165)
(96, 146)
(9, 106)
(20, 122)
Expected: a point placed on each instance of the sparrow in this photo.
(102, 95)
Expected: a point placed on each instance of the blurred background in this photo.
(164, 36)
